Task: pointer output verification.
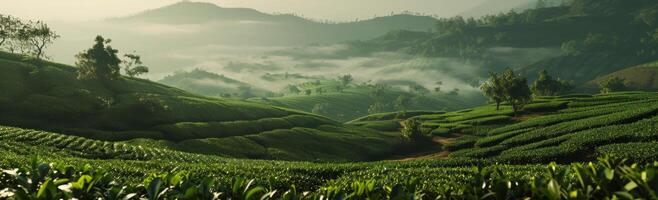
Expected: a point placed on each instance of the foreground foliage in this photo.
(609, 178)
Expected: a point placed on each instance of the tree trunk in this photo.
(497, 105)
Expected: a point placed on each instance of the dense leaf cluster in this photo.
(608, 178)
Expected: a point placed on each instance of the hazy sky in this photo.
(76, 10)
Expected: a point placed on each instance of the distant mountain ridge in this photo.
(199, 12)
(493, 7)
(196, 28)
(187, 12)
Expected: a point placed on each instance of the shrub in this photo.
(614, 84)
(411, 128)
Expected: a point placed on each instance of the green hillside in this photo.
(47, 96)
(556, 99)
(642, 77)
(563, 129)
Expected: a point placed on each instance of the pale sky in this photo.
(340, 10)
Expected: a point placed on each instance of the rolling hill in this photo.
(573, 128)
(356, 101)
(319, 95)
(48, 96)
(472, 144)
(642, 77)
(210, 84)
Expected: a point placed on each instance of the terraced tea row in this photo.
(87, 148)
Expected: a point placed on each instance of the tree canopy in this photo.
(493, 89)
(35, 38)
(99, 62)
(28, 37)
(133, 65)
(507, 87)
(516, 90)
(545, 85)
(614, 84)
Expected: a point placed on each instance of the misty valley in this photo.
(489, 99)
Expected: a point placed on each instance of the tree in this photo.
(100, 62)
(516, 90)
(614, 84)
(8, 28)
(36, 36)
(345, 80)
(493, 89)
(133, 65)
(308, 92)
(411, 128)
(545, 85)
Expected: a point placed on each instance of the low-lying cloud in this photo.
(249, 64)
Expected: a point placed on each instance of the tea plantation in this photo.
(494, 154)
(48, 96)
(63, 138)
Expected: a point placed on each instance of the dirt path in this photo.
(434, 152)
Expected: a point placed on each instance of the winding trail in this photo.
(433, 152)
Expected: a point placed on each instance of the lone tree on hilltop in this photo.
(100, 62)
